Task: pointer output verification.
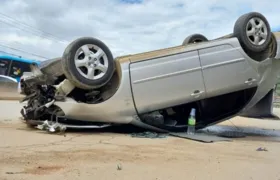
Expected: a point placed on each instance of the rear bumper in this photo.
(263, 109)
(262, 102)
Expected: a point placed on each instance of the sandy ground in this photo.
(32, 154)
(8, 91)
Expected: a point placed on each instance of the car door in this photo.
(166, 81)
(226, 70)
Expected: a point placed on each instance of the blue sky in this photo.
(126, 26)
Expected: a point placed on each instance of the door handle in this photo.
(197, 93)
(250, 81)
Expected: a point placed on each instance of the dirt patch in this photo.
(29, 154)
(39, 170)
(8, 91)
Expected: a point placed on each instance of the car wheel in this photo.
(253, 32)
(195, 38)
(88, 63)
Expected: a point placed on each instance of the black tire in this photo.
(270, 52)
(240, 32)
(72, 73)
(194, 38)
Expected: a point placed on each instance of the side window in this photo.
(18, 68)
(4, 66)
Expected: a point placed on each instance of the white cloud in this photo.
(125, 27)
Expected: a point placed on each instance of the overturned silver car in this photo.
(221, 78)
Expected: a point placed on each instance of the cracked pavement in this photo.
(29, 154)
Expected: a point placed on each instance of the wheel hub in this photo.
(95, 63)
(256, 31)
(92, 62)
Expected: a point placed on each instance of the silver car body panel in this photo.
(167, 81)
(278, 47)
(269, 70)
(226, 69)
(118, 109)
(4, 78)
(168, 77)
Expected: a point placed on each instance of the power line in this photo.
(5, 52)
(11, 42)
(10, 53)
(30, 26)
(19, 22)
(32, 32)
(18, 44)
(9, 21)
(15, 49)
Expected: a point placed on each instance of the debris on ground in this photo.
(148, 134)
(119, 167)
(13, 172)
(51, 127)
(261, 149)
(201, 137)
(232, 134)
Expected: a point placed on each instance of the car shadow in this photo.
(227, 131)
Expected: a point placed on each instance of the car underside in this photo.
(66, 97)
